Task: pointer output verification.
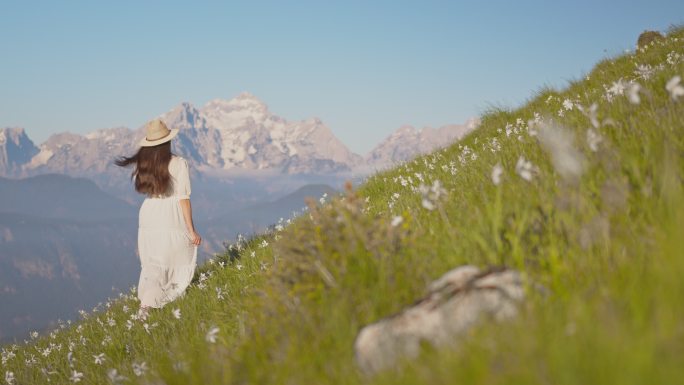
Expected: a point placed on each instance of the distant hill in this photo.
(61, 196)
(256, 218)
(64, 243)
(50, 267)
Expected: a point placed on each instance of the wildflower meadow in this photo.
(580, 189)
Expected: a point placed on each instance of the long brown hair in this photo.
(151, 171)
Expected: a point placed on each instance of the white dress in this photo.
(167, 256)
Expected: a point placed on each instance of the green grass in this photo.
(604, 243)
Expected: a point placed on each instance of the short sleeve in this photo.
(183, 189)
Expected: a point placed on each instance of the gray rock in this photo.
(454, 304)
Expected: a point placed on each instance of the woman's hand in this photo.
(195, 238)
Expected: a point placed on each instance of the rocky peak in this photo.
(406, 142)
(404, 130)
(243, 102)
(183, 116)
(16, 149)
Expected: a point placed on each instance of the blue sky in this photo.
(363, 67)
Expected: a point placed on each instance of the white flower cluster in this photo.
(431, 194)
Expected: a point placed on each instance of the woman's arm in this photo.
(187, 216)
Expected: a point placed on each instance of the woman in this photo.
(167, 240)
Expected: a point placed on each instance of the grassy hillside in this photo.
(581, 189)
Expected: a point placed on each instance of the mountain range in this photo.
(223, 137)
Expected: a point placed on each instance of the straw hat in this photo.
(157, 133)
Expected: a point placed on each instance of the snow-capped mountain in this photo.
(90, 155)
(239, 134)
(407, 142)
(15, 150)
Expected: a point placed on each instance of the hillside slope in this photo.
(580, 188)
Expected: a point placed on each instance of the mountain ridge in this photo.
(223, 134)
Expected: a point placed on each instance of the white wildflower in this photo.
(431, 194)
(593, 139)
(99, 358)
(47, 373)
(397, 220)
(139, 368)
(557, 141)
(590, 113)
(7, 355)
(238, 266)
(525, 169)
(644, 71)
(30, 360)
(633, 93)
(219, 293)
(537, 117)
(211, 334)
(115, 377)
(176, 313)
(263, 243)
(674, 88)
(9, 377)
(437, 189)
(34, 334)
(75, 376)
(617, 88)
(673, 58)
(567, 104)
(497, 171)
